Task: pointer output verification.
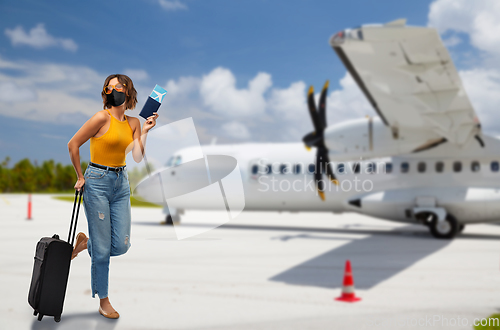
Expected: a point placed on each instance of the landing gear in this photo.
(446, 229)
(173, 215)
(170, 220)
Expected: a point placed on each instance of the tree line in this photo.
(49, 176)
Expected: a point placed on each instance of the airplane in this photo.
(424, 159)
(159, 96)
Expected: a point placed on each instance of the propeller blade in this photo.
(312, 111)
(322, 105)
(318, 177)
(326, 163)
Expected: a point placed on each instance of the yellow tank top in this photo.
(109, 149)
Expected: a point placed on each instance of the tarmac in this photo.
(263, 270)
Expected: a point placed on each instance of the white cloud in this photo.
(10, 92)
(290, 103)
(482, 86)
(183, 99)
(236, 129)
(452, 41)
(172, 5)
(347, 102)
(136, 75)
(49, 92)
(478, 19)
(38, 38)
(219, 93)
(183, 87)
(46, 92)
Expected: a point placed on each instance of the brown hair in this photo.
(130, 92)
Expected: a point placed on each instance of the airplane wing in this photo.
(409, 78)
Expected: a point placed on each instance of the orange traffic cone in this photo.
(348, 286)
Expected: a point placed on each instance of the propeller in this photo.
(316, 139)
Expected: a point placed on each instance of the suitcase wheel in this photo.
(35, 312)
(40, 316)
(57, 318)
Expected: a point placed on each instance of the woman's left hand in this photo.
(150, 122)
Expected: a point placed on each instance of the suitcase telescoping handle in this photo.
(71, 227)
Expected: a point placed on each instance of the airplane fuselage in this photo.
(464, 181)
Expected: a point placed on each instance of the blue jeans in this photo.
(106, 200)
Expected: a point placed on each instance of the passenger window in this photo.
(494, 166)
(475, 167)
(269, 169)
(439, 167)
(178, 160)
(371, 168)
(356, 168)
(341, 168)
(283, 169)
(388, 168)
(312, 168)
(255, 169)
(457, 166)
(297, 169)
(421, 167)
(405, 167)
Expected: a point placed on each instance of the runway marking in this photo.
(5, 200)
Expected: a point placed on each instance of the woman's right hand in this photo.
(79, 184)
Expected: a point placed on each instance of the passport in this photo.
(153, 102)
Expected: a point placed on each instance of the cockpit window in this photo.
(312, 168)
(297, 169)
(174, 161)
(170, 161)
(269, 169)
(457, 166)
(255, 169)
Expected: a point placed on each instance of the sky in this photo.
(240, 69)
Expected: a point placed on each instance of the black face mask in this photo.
(116, 99)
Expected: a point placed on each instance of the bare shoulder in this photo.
(101, 116)
(134, 121)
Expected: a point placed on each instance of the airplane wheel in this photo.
(444, 229)
(169, 221)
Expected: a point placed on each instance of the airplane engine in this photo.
(369, 137)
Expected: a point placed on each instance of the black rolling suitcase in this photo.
(51, 271)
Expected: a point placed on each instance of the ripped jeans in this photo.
(106, 200)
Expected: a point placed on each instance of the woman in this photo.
(106, 195)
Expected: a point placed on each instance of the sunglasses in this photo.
(117, 87)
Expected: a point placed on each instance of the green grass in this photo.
(493, 325)
(133, 201)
